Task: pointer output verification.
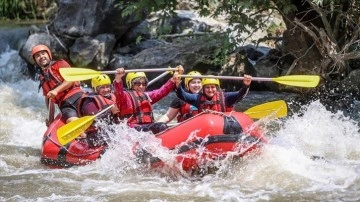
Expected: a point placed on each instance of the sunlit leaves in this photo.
(245, 17)
(18, 9)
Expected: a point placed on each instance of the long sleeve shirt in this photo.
(230, 97)
(123, 99)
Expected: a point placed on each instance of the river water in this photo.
(284, 171)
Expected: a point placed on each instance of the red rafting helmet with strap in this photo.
(39, 48)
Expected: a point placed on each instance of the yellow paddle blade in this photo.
(73, 129)
(308, 81)
(275, 108)
(78, 74)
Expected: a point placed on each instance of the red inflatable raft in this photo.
(77, 152)
(208, 136)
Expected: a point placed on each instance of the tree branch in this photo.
(296, 61)
(326, 23)
(312, 35)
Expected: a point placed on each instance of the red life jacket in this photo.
(50, 79)
(217, 103)
(100, 101)
(186, 111)
(141, 113)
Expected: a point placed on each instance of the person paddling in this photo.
(135, 104)
(212, 97)
(65, 94)
(93, 103)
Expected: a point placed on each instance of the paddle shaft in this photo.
(132, 70)
(70, 132)
(158, 77)
(104, 110)
(51, 110)
(308, 81)
(226, 77)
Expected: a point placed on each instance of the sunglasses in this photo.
(105, 86)
(139, 83)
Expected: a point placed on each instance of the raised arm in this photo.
(172, 111)
(187, 97)
(233, 97)
(122, 99)
(169, 86)
(160, 93)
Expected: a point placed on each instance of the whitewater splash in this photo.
(23, 108)
(285, 170)
(316, 148)
(313, 138)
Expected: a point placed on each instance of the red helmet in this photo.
(39, 48)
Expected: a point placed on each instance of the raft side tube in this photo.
(77, 152)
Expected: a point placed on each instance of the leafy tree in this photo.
(321, 36)
(25, 9)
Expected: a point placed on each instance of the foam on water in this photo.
(285, 169)
(315, 151)
(23, 107)
(321, 133)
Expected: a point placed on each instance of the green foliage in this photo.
(18, 9)
(248, 16)
(141, 8)
(9, 9)
(163, 28)
(138, 39)
(274, 28)
(285, 6)
(245, 17)
(222, 52)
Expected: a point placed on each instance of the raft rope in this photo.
(208, 111)
(244, 136)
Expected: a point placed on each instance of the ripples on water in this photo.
(314, 156)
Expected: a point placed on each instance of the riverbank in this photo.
(21, 23)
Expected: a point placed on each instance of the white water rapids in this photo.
(284, 171)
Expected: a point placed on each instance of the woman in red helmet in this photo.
(212, 97)
(65, 94)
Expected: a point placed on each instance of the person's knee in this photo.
(68, 113)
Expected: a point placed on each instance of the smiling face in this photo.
(139, 84)
(195, 85)
(104, 90)
(210, 90)
(42, 59)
